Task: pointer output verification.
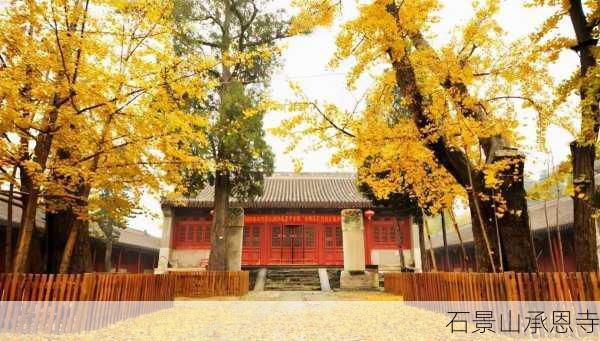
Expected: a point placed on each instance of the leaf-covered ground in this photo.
(281, 316)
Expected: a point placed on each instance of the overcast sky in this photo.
(305, 62)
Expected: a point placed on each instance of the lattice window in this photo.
(329, 236)
(276, 236)
(255, 236)
(251, 236)
(246, 240)
(385, 235)
(190, 233)
(296, 233)
(338, 237)
(287, 240)
(309, 237)
(180, 232)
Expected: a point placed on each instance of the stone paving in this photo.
(281, 316)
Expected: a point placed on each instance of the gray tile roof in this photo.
(133, 237)
(537, 219)
(40, 217)
(293, 190)
(130, 237)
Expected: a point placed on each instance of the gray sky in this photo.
(305, 62)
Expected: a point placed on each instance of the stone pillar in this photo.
(414, 243)
(354, 275)
(234, 238)
(164, 255)
(354, 240)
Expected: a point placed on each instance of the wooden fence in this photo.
(211, 284)
(86, 287)
(33, 303)
(75, 303)
(508, 286)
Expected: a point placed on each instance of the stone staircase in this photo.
(302, 279)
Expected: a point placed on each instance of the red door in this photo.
(333, 245)
(251, 245)
(293, 244)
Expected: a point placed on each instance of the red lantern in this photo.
(369, 214)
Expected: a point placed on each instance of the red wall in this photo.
(274, 238)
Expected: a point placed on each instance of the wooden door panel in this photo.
(333, 252)
(251, 245)
(294, 245)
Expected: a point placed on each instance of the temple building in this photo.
(301, 220)
(133, 250)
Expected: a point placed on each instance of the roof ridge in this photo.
(319, 175)
(294, 190)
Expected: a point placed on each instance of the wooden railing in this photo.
(75, 303)
(211, 284)
(86, 287)
(508, 286)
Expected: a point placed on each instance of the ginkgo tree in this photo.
(439, 119)
(86, 107)
(584, 84)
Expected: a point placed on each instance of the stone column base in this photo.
(163, 261)
(359, 280)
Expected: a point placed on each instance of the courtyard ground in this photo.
(280, 316)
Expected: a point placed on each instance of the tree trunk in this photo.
(456, 162)
(485, 251)
(78, 238)
(424, 258)
(81, 260)
(431, 251)
(583, 150)
(400, 243)
(549, 236)
(69, 246)
(26, 233)
(446, 252)
(586, 258)
(58, 227)
(30, 205)
(9, 226)
(108, 251)
(517, 246)
(36, 258)
(558, 233)
(218, 250)
(465, 257)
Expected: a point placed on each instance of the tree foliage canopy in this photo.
(472, 89)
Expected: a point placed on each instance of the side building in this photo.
(296, 222)
(134, 251)
(548, 237)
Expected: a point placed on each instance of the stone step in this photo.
(292, 280)
(294, 288)
(303, 287)
(290, 276)
(292, 273)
